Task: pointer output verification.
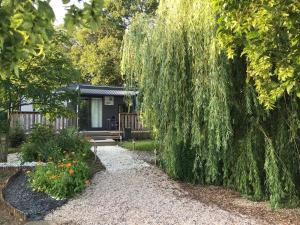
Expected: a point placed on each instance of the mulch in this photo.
(232, 201)
(34, 204)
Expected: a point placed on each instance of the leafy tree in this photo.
(122, 11)
(267, 33)
(97, 55)
(26, 28)
(96, 52)
(206, 117)
(39, 79)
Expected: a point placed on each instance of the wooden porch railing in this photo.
(130, 120)
(27, 120)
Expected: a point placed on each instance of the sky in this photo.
(60, 9)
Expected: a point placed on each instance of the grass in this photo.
(143, 145)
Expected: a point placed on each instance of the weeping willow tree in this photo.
(202, 110)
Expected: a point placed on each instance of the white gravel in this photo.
(132, 192)
(13, 160)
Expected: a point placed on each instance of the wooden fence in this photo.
(27, 120)
(130, 120)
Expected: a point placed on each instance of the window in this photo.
(108, 100)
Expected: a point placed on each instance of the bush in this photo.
(41, 134)
(44, 144)
(60, 180)
(16, 136)
(69, 140)
(66, 173)
(33, 152)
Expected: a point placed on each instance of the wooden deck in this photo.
(27, 120)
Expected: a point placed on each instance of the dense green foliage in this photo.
(24, 29)
(39, 78)
(267, 32)
(96, 51)
(206, 117)
(44, 144)
(97, 55)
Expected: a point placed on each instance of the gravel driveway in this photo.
(132, 192)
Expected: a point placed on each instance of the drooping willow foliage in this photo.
(204, 113)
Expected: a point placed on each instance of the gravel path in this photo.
(132, 192)
(13, 160)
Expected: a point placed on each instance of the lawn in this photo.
(143, 145)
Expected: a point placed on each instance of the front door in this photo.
(96, 112)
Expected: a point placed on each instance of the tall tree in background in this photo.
(97, 55)
(96, 52)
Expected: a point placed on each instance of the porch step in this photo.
(106, 142)
(100, 133)
(105, 137)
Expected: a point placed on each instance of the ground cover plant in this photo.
(209, 108)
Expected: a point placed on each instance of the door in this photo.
(96, 112)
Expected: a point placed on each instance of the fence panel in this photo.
(27, 120)
(130, 120)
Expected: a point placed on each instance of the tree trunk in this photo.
(4, 136)
(3, 149)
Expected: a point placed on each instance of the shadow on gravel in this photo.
(34, 204)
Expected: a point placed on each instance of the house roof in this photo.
(102, 90)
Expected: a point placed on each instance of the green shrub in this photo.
(44, 145)
(70, 141)
(31, 152)
(41, 133)
(60, 180)
(28, 152)
(16, 136)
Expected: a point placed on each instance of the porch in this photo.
(27, 120)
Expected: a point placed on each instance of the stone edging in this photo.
(17, 214)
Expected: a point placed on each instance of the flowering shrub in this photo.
(44, 143)
(65, 153)
(60, 179)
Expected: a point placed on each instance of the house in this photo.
(99, 108)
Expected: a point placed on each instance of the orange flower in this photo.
(68, 165)
(71, 171)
